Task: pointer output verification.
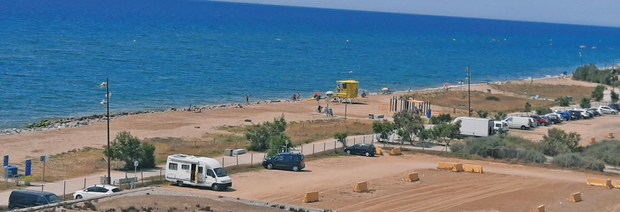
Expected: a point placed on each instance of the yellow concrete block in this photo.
(611, 135)
(575, 197)
(540, 208)
(311, 197)
(456, 167)
(361, 187)
(472, 168)
(396, 151)
(616, 183)
(412, 177)
(599, 182)
(378, 151)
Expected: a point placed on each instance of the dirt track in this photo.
(504, 187)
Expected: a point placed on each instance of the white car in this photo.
(96, 190)
(606, 110)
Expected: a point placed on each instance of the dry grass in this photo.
(309, 131)
(545, 90)
(479, 101)
(208, 145)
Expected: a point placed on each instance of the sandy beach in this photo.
(188, 124)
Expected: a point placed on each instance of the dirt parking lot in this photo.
(504, 187)
(598, 127)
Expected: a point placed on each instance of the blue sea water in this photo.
(165, 53)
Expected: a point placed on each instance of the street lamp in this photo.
(468, 91)
(106, 102)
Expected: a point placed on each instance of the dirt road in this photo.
(504, 187)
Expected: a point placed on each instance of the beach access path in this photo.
(69, 186)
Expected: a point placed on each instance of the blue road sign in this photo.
(28, 170)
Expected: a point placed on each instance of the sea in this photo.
(159, 54)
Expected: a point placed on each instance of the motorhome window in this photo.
(220, 172)
(173, 166)
(200, 170)
(210, 173)
(184, 167)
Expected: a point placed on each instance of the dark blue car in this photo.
(286, 160)
(565, 115)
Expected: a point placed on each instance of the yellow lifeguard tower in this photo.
(347, 89)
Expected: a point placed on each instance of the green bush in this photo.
(278, 143)
(585, 103)
(482, 113)
(557, 141)
(383, 128)
(527, 107)
(591, 73)
(341, 137)
(543, 110)
(607, 151)
(564, 100)
(614, 96)
(499, 116)
(503, 147)
(492, 98)
(597, 93)
(574, 160)
(441, 118)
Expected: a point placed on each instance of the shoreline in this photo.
(74, 122)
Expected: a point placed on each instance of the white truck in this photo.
(196, 171)
(475, 126)
(518, 122)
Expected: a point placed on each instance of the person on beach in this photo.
(319, 108)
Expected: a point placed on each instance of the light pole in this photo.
(468, 91)
(106, 102)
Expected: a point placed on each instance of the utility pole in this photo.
(106, 101)
(468, 91)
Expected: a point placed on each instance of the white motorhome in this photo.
(518, 122)
(475, 126)
(197, 171)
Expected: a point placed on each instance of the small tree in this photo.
(563, 101)
(614, 96)
(557, 141)
(543, 110)
(441, 118)
(259, 134)
(527, 107)
(342, 138)
(597, 94)
(585, 103)
(128, 148)
(444, 133)
(407, 124)
(383, 128)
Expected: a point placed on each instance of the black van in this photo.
(31, 198)
(286, 160)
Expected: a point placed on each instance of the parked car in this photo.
(553, 118)
(31, 198)
(96, 190)
(606, 110)
(367, 150)
(286, 160)
(575, 115)
(518, 122)
(593, 111)
(615, 106)
(540, 121)
(585, 114)
(565, 115)
(500, 127)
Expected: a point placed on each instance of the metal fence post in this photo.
(335, 146)
(313, 149)
(142, 176)
(324, 143)
(302, 149)
(64, 190)
(237, 160)
(84, 183)
(251, 159)
(223, 161)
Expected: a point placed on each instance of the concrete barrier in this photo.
(396, 151)
(611, 135)
(540, 208)
(575, 197)
(616, 183)
(412, 177)
(311, 197)
(361, 187)
(378, 151)
(599, 182)
(473, 168)
(456, 167)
